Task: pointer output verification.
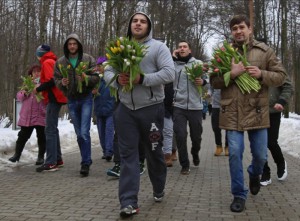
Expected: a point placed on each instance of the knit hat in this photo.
(42, 49)
(100, 60)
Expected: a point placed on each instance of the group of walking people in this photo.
(163, 102)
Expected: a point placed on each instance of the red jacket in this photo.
(50, 92)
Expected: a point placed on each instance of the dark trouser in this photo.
(215, 126)
(117, 159)
(140, 127)
(25, 133)
(180, 118)
(273, 133)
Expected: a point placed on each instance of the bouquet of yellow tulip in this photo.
(28, 86)
(197, 70)
(124, 56)
(221, 64)
(81, 70)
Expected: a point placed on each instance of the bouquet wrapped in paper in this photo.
(28, 85)
(221, 65)
(197, 70)
(125, 56)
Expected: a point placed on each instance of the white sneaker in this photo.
(265, 182)
(282, 171)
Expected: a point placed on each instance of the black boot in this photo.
(18, 151)
(14, 158)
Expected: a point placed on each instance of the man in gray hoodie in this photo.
(187, 107)
(140, 116)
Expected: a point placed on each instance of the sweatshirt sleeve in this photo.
(165, 67)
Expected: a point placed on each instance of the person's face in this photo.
(139, 27)
(72, 46)
(100, 68)
(241, 32)
(184, 49)
(36, 74)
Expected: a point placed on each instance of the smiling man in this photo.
(247, 112)
(139, 118)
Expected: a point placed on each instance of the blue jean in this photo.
(81, 113)
(258, 145)
(53, 150)
(105, 127)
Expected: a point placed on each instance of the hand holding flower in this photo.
(254, 71)
(65, 82)
(199, 81)
(236, 69)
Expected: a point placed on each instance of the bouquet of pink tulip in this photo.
(221, 65)
(125, 56)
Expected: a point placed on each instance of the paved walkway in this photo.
(202, 195)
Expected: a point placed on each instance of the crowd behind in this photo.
(148, 124)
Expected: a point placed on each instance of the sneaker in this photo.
(254, 185)
(85, 169)
(142, 168)
(47, 167)
(115, 171)
(129, 211)
(108, 158)
(237, 205)
(282, 171)
(103, 157)
(39, 161)
(196, 159)
(185, 171)
(158, 197)
(265, 179)
(60, 163)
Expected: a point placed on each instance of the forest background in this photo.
(25, 24)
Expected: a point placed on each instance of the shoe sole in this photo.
(50, 170)
(113, 174)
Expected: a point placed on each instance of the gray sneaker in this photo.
(158, 197)
(129, 211)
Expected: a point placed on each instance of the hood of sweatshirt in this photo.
(149, 33)
(80, 49)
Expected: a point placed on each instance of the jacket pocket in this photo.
(227, 105)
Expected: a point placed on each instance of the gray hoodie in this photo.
(186, 95)
(158, 67)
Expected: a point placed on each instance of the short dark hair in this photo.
(188, 43)
(237, 19)
(33, 68)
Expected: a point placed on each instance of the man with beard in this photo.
(80, 102)
(139, 118)
(247, 112)
(187, 107)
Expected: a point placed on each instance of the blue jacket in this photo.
(103, 103)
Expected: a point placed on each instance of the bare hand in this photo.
(34, 90)
(254, 71)
(65, 81)
(123, 79)
(199, 81)
(236, 69)
(278, 107)
(175, 53)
